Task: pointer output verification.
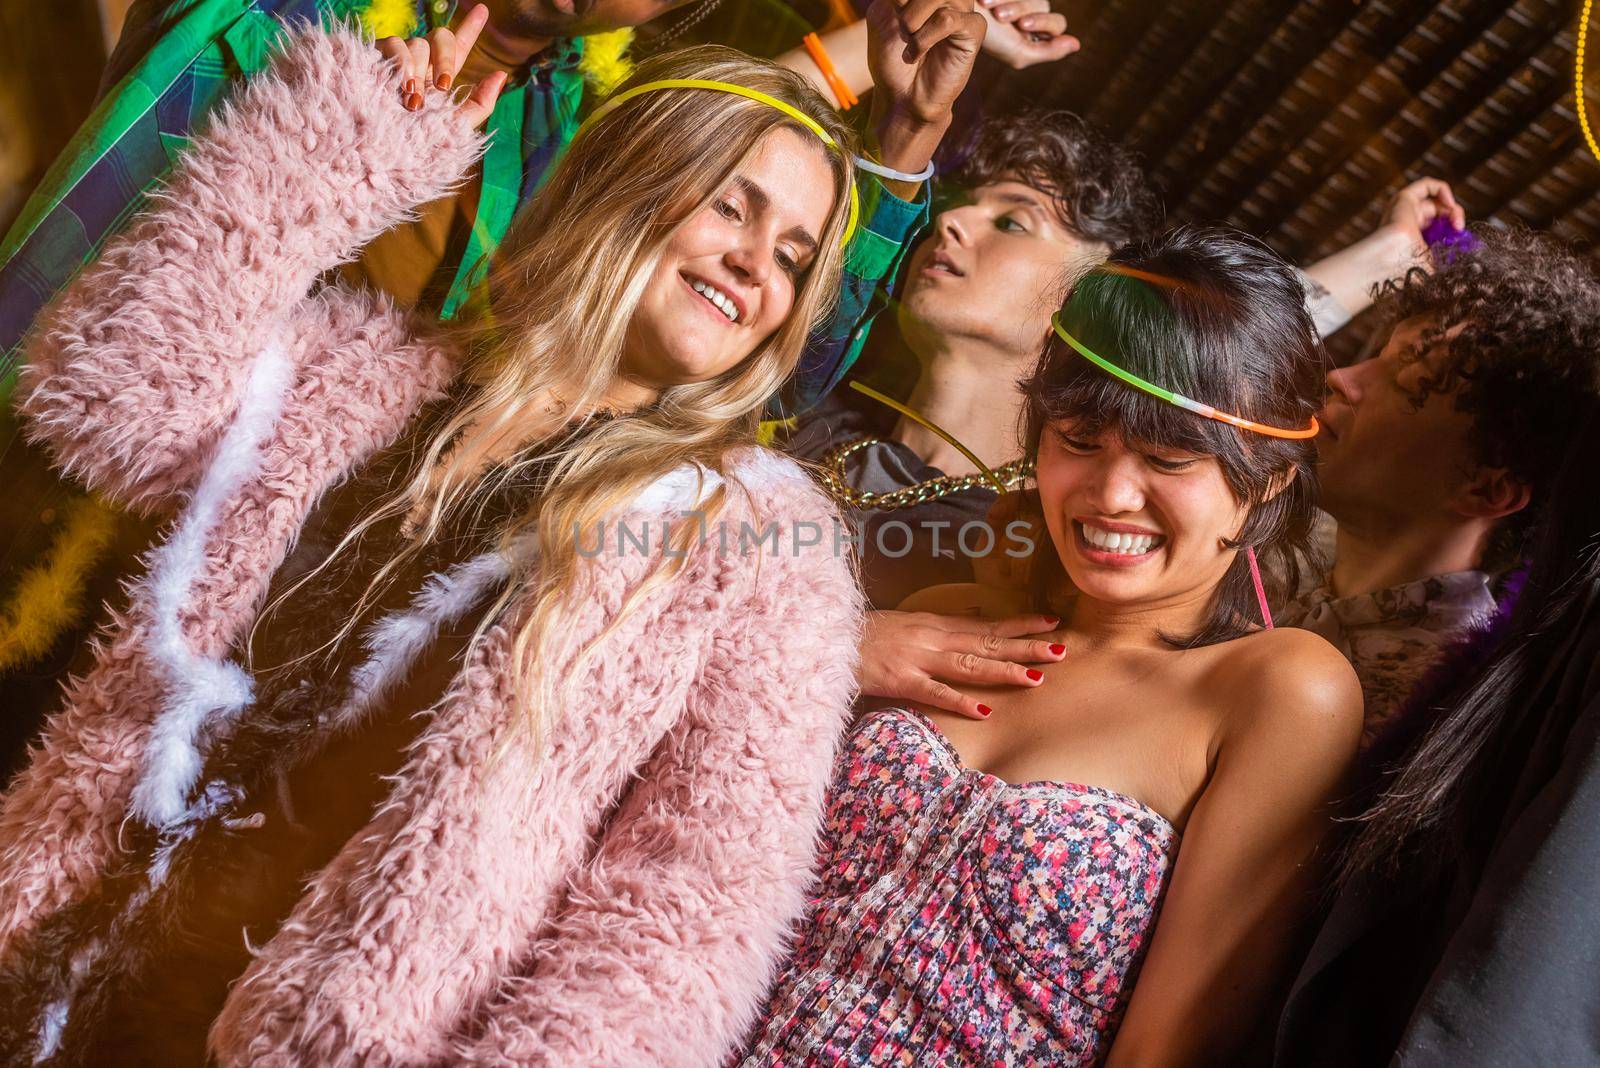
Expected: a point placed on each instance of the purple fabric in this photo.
(1445, 241)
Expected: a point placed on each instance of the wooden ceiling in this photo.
(1297, 120)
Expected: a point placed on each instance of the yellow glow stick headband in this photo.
(1179, 399)
(748, 93)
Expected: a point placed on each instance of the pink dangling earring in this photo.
(1261, 590)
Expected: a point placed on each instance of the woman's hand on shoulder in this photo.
(431, 63)
(939, 641)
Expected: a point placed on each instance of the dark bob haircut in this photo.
(1216, 316)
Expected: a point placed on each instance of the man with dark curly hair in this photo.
(1461, 925)
(1436, 455)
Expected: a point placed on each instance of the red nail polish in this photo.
(1055, 621)
(443, 82)
(1057, 650)
(1035, 674)
(984, 710)
(414, 101)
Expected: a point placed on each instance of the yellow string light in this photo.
(1577, 79)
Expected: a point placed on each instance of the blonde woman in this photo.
(446, 588)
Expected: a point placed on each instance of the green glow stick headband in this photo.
(737, 90)
(1178, 399)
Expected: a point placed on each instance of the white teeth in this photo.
(1121, 544)
(723, 302)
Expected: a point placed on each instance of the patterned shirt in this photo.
(1392, 637)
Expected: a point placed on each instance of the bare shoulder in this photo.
(1292, 689)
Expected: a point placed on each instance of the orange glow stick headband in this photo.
(737, 90)
(1179, 399)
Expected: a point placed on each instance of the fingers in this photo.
(1053, 47)
(434, 61)
(975, 670)
(1446, 197)
(963, 31)
(467, 33)
(394, 49)
(935, 693)
(1429, 198)
(442, 64)
(1048, 23)
(926, 23)
(1011, 12)
(416, 73)
(480, 102)
(1009, 627)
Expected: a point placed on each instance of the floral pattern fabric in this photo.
(1394, 636)
(960, 919)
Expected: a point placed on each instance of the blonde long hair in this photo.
(563, 290)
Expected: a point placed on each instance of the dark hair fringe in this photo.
(1217, 316)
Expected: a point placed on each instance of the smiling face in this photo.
(993, 269)
(1132, 524)
(1383, 458)
(729, 276)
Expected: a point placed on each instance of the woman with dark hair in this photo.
(990, 891)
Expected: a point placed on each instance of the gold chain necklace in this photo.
(1011, 476)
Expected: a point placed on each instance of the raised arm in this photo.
(672, 933)
(1021, 33)
(1344, 284)
(138, 366)
(1245, 877)
(920, 58)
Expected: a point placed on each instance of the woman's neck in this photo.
(1103, 625)
(974, 398)
(552, 413)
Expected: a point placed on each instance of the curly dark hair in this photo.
(1525, 355)
(1215, 315)
(1098, 187)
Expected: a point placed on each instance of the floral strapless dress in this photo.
(960, 919)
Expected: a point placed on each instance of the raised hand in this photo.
(921, 54)
(431, 63)
(1418, 204)
(1023, 33)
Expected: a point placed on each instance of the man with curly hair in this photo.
(1436, 455)
(1460, 927)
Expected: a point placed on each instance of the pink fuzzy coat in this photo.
(624, 899)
